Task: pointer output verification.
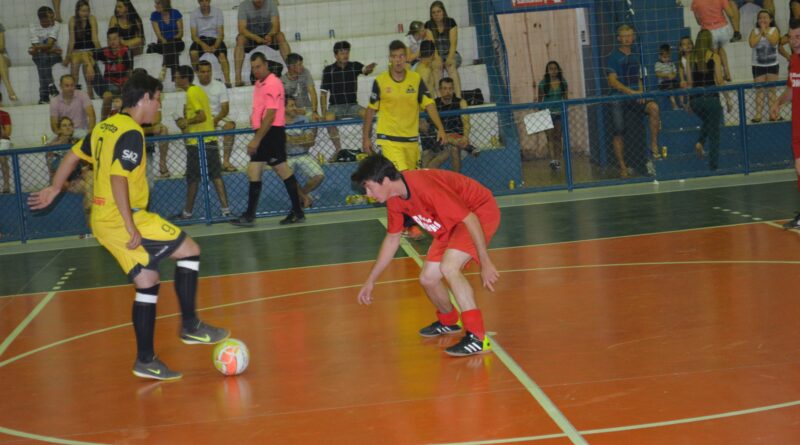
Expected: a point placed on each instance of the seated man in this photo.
(259, 24)
(119, 63)
(45, 51)
(298, 141)
(456, 127)
(208, 37)
(74, 104)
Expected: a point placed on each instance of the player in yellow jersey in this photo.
(138, 239)
(398, 95)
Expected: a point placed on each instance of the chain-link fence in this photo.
(510, 149)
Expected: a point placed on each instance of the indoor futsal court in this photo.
(621, 316)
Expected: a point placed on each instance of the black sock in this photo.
(144, 322)
(252, 198)
(186, 271)
(291, 188)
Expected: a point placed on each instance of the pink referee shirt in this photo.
(268, 94)
(709, 13)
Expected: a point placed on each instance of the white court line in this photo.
(547, 405)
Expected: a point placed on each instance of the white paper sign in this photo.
(538, 121)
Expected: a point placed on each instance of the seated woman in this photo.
(168, 27)
(81, 180)
(443, 31)
(131, 30)
(82, 43)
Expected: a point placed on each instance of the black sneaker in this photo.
(794, 223)
(204, 334)
(436, 329)
(155, 369)
(737, 36)
(244, 221)
(470, 345)
(52, 90)
(292, 218)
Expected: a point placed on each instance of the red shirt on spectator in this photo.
(709, 13)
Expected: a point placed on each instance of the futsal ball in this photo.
(231, 357)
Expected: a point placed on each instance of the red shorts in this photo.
(460, 239)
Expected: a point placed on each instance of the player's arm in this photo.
(119, 188)
(391, 242)
(43, 198)
(489, 274)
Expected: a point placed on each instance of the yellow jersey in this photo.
(398, 105)
(115, 147)
(196, 100)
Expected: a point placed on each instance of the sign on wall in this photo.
(527, 3)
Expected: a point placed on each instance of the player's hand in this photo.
(365, 294)
(136, 239)
(252, 147)
(366, 145)
(489, 274)
(43, 198)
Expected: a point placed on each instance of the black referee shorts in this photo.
(272, 148)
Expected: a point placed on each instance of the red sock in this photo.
(449, 318)
(473, 322)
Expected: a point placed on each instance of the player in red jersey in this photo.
(792, 94)
(462, 216)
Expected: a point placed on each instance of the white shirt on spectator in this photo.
(413, 44)
(39, 35)
(217, 95)
(207, 25)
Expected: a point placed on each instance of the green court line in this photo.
(547, 405)
(25, 322)
(41, 438)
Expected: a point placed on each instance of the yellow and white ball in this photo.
(231, 357)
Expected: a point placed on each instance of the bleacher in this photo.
(369, 26)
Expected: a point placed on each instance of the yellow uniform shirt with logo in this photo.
(196, 100)
(398, 105)
(115, 147)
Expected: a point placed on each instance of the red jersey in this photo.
(438, 200)
(793, 82)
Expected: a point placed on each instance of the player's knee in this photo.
(189, 248)
(449, 269)
(428, 279)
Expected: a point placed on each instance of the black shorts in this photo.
(251, 45)
(272, 148)
(759, 71)
(193, 162)
(209, 41)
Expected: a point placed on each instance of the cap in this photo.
(415, 27)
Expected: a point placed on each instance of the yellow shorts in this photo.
(160, 239)
(404, 155)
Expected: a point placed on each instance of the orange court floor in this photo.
(668, 318)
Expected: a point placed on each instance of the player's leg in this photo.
(255, 168)
(192, 179)
(654, 115)
(143, 316)
(290, 183)
(187, 269)
(432, 282)
(474, 340)
(794, 223)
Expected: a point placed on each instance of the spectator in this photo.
(710, 15)
(794, 13)
(82, 43)
(80, 181)
(74, 104)
(444, 33)
(340, 81)
(168, 27)
(424, 66)
(220, 107)
(197, 118)
(5, 62)
(554, 88)
(45, 51)
(707, 72)
(456, 127)
(116, 107)
(624, 78)
(298, 142)
(686, 46)
(119, 63)
(667, 73)
(764, 40)
(415, 37)
(299, 85)
(208, 37)
(5, 144)
(131, 29)
(259, 24)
